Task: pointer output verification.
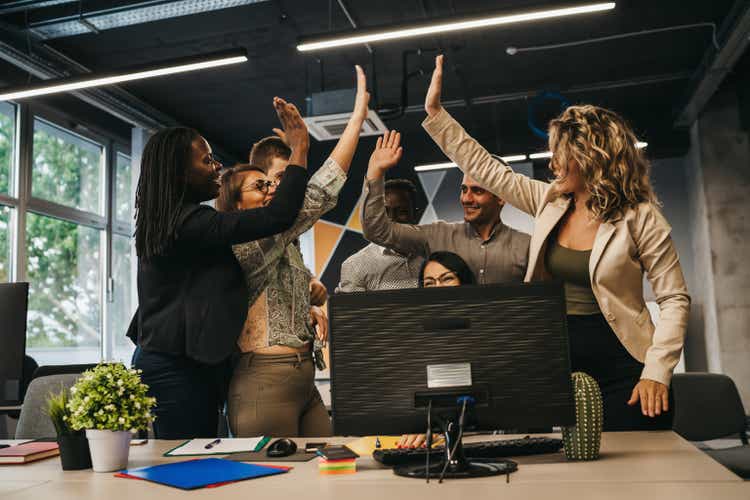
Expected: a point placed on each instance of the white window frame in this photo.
(22, 202)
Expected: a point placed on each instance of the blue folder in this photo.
(193, 474)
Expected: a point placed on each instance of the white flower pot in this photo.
(109, 449)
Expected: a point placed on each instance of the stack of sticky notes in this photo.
(337, 460)
(343, 466)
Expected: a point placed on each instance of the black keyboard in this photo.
(485, 449)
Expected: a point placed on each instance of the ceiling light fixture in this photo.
(382, 34)
(513, 158)
(538, 156)
(184, 65)
(434, 166)
(447, 165)
(547, 154)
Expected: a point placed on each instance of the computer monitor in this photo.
(505, 346)
(13, 308)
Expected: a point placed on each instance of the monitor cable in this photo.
(458, 441)
(428, 439)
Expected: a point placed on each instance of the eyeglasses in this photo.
(261, 186)
(446, 279)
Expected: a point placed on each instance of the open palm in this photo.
(387, 152)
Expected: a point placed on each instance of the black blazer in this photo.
(193, 302)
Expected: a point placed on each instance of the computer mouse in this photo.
(281, 448)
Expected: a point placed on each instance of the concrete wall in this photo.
(721, 188)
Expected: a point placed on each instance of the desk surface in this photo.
(637, 464)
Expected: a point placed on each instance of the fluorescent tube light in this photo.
(434, 166)
(513, 158)
(379, 35)
(537, 156)
(87, 81)
(641, 145)
(444, 166)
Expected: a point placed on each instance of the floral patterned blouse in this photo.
(276, 276)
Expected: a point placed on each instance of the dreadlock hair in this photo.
(161, 190)
(268, 148)
(231, 186)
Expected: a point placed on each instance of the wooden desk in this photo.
(638, 464)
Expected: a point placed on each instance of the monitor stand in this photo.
(459, 467)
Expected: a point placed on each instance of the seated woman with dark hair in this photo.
(440, 269)
(445, 269)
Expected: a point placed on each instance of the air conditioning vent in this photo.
(329, 127)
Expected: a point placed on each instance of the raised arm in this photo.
(376, 225)
(322, 191)
(494, 175)
(347, 144)
(202, 226)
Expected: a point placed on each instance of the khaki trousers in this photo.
(275, 395)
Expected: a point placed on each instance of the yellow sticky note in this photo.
(364, 446)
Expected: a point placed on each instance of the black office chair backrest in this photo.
(707, 406)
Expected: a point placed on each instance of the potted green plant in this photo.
(109, 402)
(74, 448)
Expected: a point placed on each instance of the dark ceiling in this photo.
(232, 105)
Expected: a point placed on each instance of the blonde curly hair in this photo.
(603, 146)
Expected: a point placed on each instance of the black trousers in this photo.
(189, 395)
(596, 350)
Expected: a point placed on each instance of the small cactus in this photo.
(582, 441)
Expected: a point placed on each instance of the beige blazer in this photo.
(637, 242)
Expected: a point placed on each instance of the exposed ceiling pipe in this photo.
(374, 75)
(716, 64)
(589, 87)
(349, 17)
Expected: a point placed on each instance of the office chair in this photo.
(34, 423)
(708, 406)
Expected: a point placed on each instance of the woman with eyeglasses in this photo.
(445, 269)
(272, 391)
(191, 293)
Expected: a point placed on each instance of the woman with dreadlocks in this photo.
(191, 291)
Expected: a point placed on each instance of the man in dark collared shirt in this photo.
(494, 252)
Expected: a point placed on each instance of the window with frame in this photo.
(122, 299)
(123, 208)
(66, 228)
(65, 241)
(7, 145)
(67, 169)
(7, 160)
(64, 270)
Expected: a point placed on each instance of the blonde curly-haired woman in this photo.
(598, 229)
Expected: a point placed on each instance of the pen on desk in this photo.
(212, 443)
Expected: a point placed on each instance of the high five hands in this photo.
(294, 132)
(432, 100)
(387, 153)
(362, 99)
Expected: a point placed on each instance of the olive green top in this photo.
(572, 268)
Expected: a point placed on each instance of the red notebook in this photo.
(28, 452)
